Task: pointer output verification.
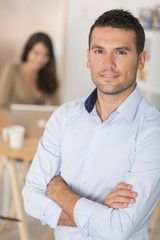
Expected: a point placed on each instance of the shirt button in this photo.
(100, 125)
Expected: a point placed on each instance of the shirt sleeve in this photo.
(44, 167)
(96, 220)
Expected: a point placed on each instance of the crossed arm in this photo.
(57, 190)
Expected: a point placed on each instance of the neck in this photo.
(108, 103)
(27, 67)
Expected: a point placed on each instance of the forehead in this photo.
(113, 36)
(40, 46)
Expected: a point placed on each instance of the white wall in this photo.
(19, 19)
(68, 23)
(81, 15)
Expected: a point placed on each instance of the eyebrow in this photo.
(97, 46)
(117, 48)
(123, 48)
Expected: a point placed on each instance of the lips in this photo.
(109, 76)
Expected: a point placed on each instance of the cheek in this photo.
(127, 67)
(30, 57)
(47, 60)
(96, 64)
(130, 74)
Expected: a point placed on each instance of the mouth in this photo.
(109, 77)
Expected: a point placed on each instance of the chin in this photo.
(38, 68)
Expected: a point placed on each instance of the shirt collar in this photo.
(91, 100)
(128, 108)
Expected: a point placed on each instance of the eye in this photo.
(36, 52)
(121, 52)
(98, 51)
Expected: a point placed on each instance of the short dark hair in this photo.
(47, 79)
(123, 19)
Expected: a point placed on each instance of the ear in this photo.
(88, 59)
(142, 59)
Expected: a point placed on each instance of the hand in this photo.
(121, 196)
(54, 185)
(59, 192)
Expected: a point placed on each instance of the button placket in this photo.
(90, 157)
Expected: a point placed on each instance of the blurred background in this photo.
(68, 23)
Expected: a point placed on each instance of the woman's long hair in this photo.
(47, 77)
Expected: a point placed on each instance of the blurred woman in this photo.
(34, 79)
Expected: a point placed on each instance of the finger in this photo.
(123, 186)
(118, 205)
(119, 199)
(124, 193)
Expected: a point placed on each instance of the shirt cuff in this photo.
(51, 215)
(82, 212)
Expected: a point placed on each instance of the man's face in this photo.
(113, 59)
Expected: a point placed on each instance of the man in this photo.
(95, 149)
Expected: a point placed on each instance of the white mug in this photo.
(15, 135)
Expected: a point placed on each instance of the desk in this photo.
(7, 157)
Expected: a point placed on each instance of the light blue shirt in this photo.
(93, 157)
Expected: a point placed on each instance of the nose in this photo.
(109, 61)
